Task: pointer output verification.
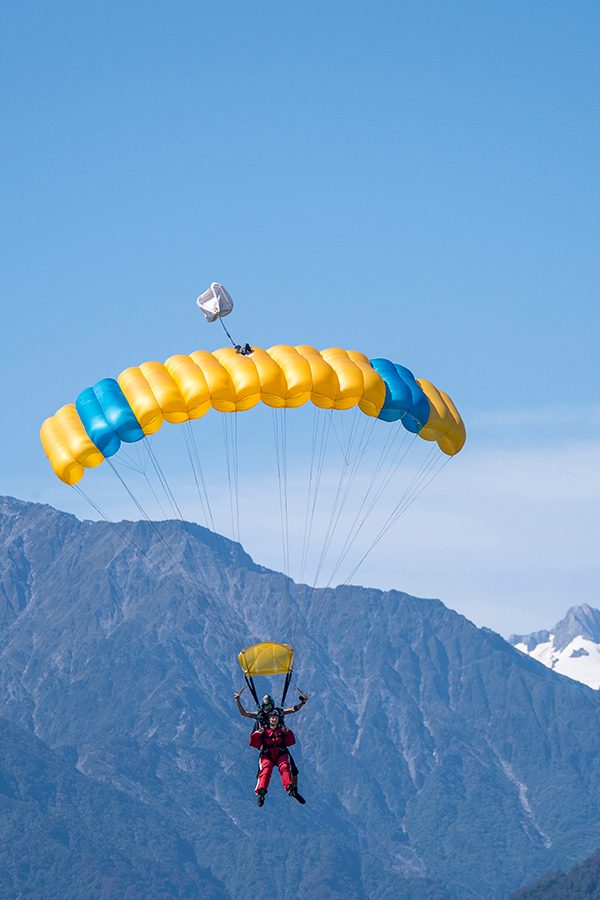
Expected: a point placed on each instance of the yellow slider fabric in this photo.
(267, 658)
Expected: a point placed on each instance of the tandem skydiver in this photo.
(273, 743)
(273, 740)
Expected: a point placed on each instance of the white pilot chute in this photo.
(215, 302)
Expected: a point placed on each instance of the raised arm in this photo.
(241, 710)
(299, 705)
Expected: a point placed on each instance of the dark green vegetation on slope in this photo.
(437, 761)
(582, 881)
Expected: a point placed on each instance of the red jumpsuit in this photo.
(272, 743)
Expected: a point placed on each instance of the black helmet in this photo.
(268, 702)
(275, 712)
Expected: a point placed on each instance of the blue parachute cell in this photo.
(107, 416)
(404, 399)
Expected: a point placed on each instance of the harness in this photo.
(265, 751)
(265, 748)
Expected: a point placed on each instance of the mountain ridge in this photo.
(436, 760)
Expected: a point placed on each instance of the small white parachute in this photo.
(215, 302)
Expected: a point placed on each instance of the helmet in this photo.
(268, 702)
(275, 713)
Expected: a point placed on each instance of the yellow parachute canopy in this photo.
(135, 405)
(267, 658)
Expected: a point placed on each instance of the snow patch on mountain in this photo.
(571, 648)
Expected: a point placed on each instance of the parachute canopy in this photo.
(267, 658)
(83, 434)
(215, 302)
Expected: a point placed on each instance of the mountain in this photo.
(582, 881)
(66, 835)
(436, 760)
(571, 648)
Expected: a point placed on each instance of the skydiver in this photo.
(273, 742)
(261, 716)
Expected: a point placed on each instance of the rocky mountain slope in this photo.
(436, 760)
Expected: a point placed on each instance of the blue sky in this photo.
(418, 181)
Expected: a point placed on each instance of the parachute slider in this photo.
(268, 658)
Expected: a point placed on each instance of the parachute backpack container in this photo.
(267, 658)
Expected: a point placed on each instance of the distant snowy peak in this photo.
(571, 648)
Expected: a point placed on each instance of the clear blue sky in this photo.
(419, 181)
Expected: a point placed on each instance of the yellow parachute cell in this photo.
(444, 424)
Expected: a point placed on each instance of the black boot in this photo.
(261, 796)
(293, 792)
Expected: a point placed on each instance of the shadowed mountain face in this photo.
(436, 760)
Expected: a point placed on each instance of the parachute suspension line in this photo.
(311, 473)
(139, 446)
(250, 682)
(393, 518)
(363, 446)
(339, 439)
(126, 539)
(279, 435)
(313, 469)
(126, 460)
(198, 470)
(431, 471)
(227, 440)
(164, 483)
(139, 506)
(418, 484)
(398, 458)
(346, 480)
(335, 510)
(141, 468)
(94, 505)
(126, 464)
(236, 474)
(234, 635)
(150, 485)
(151, 563)
(346, 442)
(285, 486)
(202, 490)
(319, 447)
(168, 490)
(198, 476)
(286, 686)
